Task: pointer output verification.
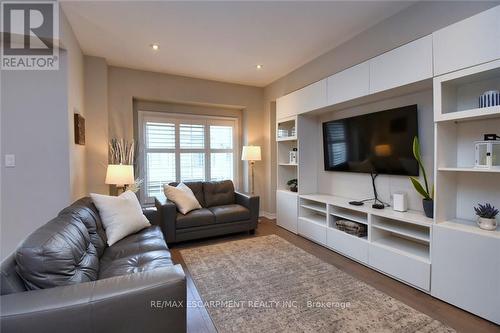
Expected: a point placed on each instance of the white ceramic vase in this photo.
(487, 224)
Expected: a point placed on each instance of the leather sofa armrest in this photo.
(251, 202)
(167, 211)
(153, 300)
(152, 215)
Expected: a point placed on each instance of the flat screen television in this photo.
(379, 142)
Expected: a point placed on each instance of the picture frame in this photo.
(79, 125)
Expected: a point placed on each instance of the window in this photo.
(185, 148)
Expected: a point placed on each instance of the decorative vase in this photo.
(428, 207)
(294, 188)
(487, 224)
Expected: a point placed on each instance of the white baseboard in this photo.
(267, 215)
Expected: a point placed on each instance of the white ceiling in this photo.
(221, 41)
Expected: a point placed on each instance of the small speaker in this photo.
(399, 202)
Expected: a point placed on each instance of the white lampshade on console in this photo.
(252, 154)
(120, 175)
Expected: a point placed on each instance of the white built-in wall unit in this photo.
(444, 73)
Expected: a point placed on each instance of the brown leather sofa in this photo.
(223, 211)
(64, 278)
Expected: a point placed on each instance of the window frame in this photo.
(177, 119)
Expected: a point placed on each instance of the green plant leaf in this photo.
(419, 188)
(416, 153)
(416, 149)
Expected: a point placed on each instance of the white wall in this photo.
(358, 185)
(75, 92)
(96, 123)
(35, 129)
(37, 126)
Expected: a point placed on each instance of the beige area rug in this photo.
(265, 284)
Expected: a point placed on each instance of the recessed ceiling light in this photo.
(259, 66)
(155, 46)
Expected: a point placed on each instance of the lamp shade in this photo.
(120, 174)
(251, 153)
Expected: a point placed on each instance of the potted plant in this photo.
(293, 185)
(424, 191)
(486, 216)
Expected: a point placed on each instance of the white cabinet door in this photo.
(466, 271)
(409, 63)
(401, 266)
(286, 210)
(303, 100)
(469, 42)
(351, 83)
(349, 245)
(312, 231)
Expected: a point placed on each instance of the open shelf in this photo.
(314, 218)
(455, 144)
(286, 191)
(288, 164)
(471, 114)
(364, 238)
(286, 130)
(418, 250)
(469, 169)
(458, 93)
(349, 214)
(287, 138)
(470, 226)
(333, 226)
(314, 207)
(404, 229)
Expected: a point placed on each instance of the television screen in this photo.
(379, 142)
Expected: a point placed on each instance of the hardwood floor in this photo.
(199, 320)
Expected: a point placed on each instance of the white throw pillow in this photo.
(121, 216)
(182, 196)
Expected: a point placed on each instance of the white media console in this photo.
(397, 243)
(448, 257)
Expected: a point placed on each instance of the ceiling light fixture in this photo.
(259, 66)
(155, 46)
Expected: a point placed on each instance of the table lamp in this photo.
(252, 154)
(120, 175)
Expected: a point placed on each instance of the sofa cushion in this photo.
(148, 239)
(56, 254)
(85, 210)
(121, 215)
(195, 218)
(218, 193)
(230, 213)
(135, 263)
(197, 188)
(182, 196)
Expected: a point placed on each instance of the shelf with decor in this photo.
(467, 174)
(467, 113)
(286, 129)
(468, 94)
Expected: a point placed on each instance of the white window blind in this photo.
(185, 148)
(221, 137)
(160, 135)
(192, 136)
